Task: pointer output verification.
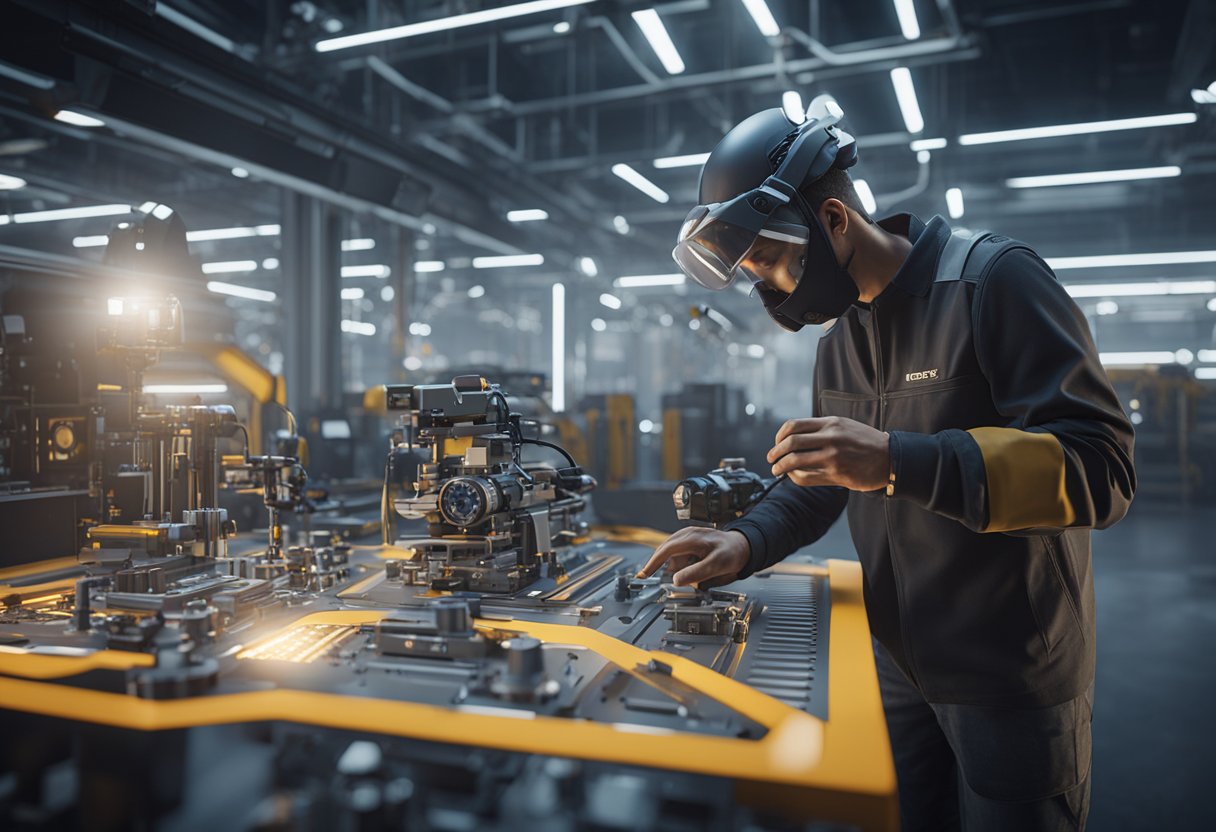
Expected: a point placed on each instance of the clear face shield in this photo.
(715, 251)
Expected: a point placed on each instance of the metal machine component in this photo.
(494, 524)
(444, 630)
(722, 495)
(712, 613)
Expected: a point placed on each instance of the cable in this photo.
(291, 418)
(557, 448)
(497, 396)
(384, 517)
(246, 433)
(769, 488)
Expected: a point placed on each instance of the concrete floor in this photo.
(1155, 695)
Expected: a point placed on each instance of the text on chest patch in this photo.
(921, 375)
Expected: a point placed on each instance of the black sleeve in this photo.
(790, 517)
(1064, 457)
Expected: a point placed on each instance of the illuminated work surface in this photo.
(839, 767)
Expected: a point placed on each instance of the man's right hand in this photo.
(702, 557)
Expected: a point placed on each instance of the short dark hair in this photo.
(835, 184)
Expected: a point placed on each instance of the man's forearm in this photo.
(790, 517)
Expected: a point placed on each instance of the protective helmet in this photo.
(750, 190)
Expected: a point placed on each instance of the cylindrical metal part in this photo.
(452, 616)
(525, 661)
(83, 608)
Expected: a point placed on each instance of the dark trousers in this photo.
(969, 767)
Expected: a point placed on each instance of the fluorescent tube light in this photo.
(1143, 289)
(760, 13)
(656, 34)
(240, 172)
(1136, 358)
(507, 260)
(908, 24)
(11, 183)
(905, 92)
(237, 291)
(1078, 129)
(239, 232)
(1164, 258)
(185, 388)
(358, 327)
(230, 266)
(558, 352)
(926, 144)
(373, 270)
(1090, 177)
(527, 215)
(1205, 373)
(954, 202)
(477, 291)
(635, 281)
(755, 351)
(359, 244)
(83, 212)
(687, 160)
(620, 224)
(1207, 356)
(443, 24)
(641, 183)
(587, 266)
(419, 328)
(720, 319)
(791, 104)
(90, 242)
(78, 119)
(429, 266)
(611, 301)
(270, 263)
(353, 293)
(865, 195)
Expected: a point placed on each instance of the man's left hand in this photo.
(832, 451)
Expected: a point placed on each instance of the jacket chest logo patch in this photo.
(922, 375)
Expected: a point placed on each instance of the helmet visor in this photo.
(711, 247)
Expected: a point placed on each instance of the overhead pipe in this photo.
(941, 50)
(622, 46)
(867, 56)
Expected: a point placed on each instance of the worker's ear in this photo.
(834, 218)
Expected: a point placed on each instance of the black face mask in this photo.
(824, 291)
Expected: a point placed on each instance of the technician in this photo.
(963, 417)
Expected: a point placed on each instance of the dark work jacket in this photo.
(1007, 446)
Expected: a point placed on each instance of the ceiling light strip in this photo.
(1078, 129)
(640, 182)
(444, 24)
(1094, 176)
